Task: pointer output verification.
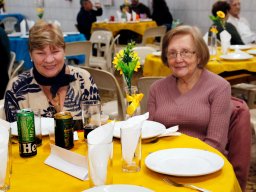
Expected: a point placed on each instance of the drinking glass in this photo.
(131, 147)
(38, 126)
(6, 165)
(91, 110)
(100, 159)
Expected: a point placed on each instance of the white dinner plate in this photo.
(184, 162)
(47, 123)
(71, 33)
(237, 56)
(157, 53)
(16, 34)
(241, 47)
(142, 20)
(149, 129)
(118, 188)
(252, 51)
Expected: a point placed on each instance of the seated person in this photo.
(50, 85)
(141, 9)
(243, 27)
(125, 8)
(86, 16)
(161, 14)
(4, 61)
(224, 7)
(194, 98)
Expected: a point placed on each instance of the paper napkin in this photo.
(100, 148)
(69, 162)
(4, 139)
(172, 131)
(130, 135)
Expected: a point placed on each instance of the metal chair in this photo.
(107, 81)
(79, 48)
(144, 84)
(9, 24)
(154, 32)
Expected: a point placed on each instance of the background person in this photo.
(161, 14)
(140, 8)
(242, 25)
(231, 29)
(4, 61)
(194, 98)
(50, 85)
(86, 16)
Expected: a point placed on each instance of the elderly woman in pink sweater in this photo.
(194, 98)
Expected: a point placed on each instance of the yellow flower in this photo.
(127, 61)
(220, 14)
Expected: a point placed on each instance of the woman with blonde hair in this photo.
(51, 85)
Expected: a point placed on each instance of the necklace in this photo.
(54, 101)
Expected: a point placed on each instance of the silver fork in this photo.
(171, 182)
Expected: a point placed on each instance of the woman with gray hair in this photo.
(194, 98)
(50, 85)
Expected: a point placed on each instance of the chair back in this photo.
(101, 42)
(239, 140)
(9, 24)
(144, 84)
(2, 113)
(17, 69)
(12, 60)
(154, 32)
(79, 48)
(107, 81)
(143, 51)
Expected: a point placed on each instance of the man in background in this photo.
(86, 16)
(4, 61)
(241, 23)
(140, 8)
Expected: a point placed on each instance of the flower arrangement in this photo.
(219, 19)
(127, 62)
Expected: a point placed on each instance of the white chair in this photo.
(143, 51)
(2, 113)
(144, 84)
(17, 69)
(154, 32)
(9, 24)
(12, 60)
(79, 48)
(101, 41)
(107, 81)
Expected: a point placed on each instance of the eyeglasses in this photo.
(184, 54)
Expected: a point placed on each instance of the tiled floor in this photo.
(251, 184)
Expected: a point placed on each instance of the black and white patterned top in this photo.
(24, 92)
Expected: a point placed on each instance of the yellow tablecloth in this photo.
(154, 66)
(31, 174)
(115, 27)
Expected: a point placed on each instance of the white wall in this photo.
(192, 12)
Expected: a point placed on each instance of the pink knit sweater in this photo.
(203, 112)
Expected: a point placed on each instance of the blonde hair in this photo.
(201, 48)
(43, 34)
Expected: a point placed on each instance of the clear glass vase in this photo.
(131, 93)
